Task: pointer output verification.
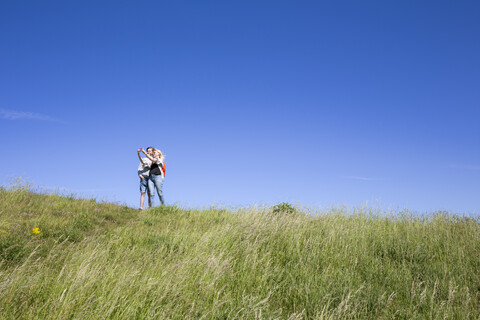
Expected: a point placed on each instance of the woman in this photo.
(156, 174)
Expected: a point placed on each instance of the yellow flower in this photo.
(36, 230)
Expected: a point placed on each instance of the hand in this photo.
(142, 178)
(139, 149)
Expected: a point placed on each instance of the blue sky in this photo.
(318, 103)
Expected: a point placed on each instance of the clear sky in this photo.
(317, 103)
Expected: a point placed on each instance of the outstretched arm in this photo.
(139, 157)
(148, 156)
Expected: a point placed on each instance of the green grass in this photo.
(104, 261)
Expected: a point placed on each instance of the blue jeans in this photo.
(155, 181)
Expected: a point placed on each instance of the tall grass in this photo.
(103, 261)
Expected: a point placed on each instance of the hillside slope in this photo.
(67, 258)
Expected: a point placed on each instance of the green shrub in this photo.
(284, 207)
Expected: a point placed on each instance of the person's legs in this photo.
(142, 199)
(148, 193)
(157, 181)
(143, 188)
(151, 192)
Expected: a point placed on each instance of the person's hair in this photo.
(162, 156)
(151, 148)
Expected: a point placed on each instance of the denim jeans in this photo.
(155, 181)
(144, 185)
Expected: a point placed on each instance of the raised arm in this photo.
(139, 157)
(148, 156)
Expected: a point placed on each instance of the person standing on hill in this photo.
(156, 173)
(144, 175)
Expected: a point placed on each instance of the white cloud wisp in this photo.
(20, 115)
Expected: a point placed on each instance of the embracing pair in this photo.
(151, 173)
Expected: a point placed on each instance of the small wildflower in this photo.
(27, 214)
(36, 230)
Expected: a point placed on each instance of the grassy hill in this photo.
(67, 258)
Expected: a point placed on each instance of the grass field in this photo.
(68, 258)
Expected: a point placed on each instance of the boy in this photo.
(144, 175)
